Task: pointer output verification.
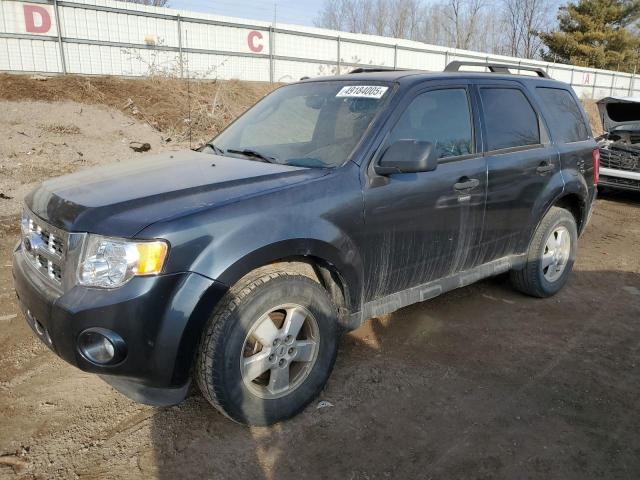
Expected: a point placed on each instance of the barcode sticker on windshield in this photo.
(362, 91)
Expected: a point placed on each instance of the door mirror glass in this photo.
(408, 156)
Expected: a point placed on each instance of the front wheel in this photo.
(269, 348)
(550, 256)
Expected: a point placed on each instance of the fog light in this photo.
(101, 346)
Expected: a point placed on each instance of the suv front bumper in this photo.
(159, 318)
(625, 180)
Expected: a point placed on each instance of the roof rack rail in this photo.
(373, 69)
(495, 67)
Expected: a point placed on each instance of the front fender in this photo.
(312, 219)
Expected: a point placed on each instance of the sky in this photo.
(300, 12)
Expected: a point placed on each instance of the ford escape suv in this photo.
(331, 201)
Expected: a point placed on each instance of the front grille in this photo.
(44, 246)
(625, 183)
(618, 158)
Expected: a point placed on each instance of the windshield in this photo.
(314, 124)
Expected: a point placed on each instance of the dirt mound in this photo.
(594, 117)
(50, 126)
(169, 105)
(40, 140)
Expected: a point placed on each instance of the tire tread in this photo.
(526, 280)
(211, 340)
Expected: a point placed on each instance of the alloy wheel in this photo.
(555, 256)
(280, 351)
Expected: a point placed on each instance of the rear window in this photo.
(510, 119)
(564, 115)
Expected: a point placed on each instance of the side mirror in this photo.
(408, 156)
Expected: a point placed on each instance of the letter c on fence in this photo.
(30, 12)
(252, 40)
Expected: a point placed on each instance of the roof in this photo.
(417, 76)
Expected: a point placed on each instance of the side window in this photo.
(509, 118)
(565, 118)
(441, 117)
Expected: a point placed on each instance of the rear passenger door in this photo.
(521, 161)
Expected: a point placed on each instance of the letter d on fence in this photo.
(33, 13)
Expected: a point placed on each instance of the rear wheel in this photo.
(550, 256)
(269, 347)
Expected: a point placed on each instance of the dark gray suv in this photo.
(330, 201)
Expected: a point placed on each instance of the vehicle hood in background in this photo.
(619, 113)
(121, 199)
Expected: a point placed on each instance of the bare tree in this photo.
(353, 16)
(380, 17)
(403, 18)
(523, 21)
(464, 24)
(462, 16)
(431, 27)
(331, 15)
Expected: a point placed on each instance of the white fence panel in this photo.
(107, 37)
(289, 45)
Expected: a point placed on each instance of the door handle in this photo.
(465, 184)
(544, 167)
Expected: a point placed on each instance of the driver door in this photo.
(424, 226)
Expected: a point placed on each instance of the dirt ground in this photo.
(479, 383)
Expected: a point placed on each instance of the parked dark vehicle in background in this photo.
(620, 145)
(331, 201)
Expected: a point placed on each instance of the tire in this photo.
(248, 312)
(535, 278)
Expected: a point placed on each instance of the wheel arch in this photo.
(573, 197)
(316, 259)
(576, 205)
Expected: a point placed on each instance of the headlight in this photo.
(112, 262)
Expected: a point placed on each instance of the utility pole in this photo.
(272, 43)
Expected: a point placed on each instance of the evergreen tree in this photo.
(594, 33)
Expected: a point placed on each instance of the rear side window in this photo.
(564, 116)
(510, 119)
(441, 117)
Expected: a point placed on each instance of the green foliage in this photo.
(594, 33)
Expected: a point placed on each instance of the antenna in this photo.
(186, 37)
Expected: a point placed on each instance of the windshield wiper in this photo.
(247, 152)
(217, 150)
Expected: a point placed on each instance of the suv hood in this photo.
(122, 199)
(619, 113)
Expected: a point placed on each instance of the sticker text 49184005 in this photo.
(362, 91)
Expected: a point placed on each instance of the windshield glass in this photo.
(309, 124)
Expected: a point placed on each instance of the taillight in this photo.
(596, 165)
